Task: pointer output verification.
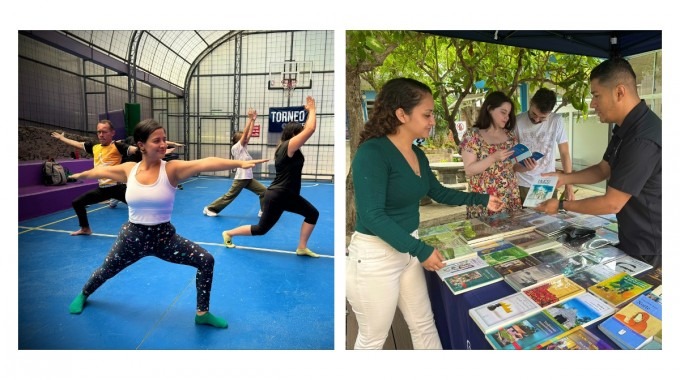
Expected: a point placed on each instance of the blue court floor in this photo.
(271, 298)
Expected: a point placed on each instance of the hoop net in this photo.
(288, 85)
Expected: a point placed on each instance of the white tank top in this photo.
(150, 204)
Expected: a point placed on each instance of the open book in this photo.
(521, 153)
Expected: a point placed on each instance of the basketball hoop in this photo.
(288, 85)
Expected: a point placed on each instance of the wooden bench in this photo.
(36, 199)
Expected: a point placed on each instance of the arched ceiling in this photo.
(165, 55)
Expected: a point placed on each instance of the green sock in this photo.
(209, 319)
(78, 303)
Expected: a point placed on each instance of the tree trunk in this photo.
(355, 124)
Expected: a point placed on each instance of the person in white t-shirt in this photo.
(244, 177)
(541, 130)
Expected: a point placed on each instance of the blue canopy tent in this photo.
(594, 43)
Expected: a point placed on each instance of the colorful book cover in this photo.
(504, 255)
(655, 294)
(496, 314)
(628, 264)
(554, 291)
(520, 152)
(516, 265)
(575, 339)
(450, 245)
(533, 242)
(582, 310)
(461, 266)
(592, 275)
(540, 191)
(531, 276)
(635, 324)
(473, 279)
(620, 289)
(525, 334)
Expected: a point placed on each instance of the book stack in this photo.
(533, 242)
(635, 325)
(531, 276)
(511, 224)
(465, 275)
(476, 232)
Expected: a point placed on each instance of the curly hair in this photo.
(493, 101)
(404, 93)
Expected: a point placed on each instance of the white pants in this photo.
(378, 280)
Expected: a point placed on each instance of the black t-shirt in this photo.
(634, 156)
(288, 169)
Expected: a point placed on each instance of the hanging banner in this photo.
(256, 131)
(280, 116)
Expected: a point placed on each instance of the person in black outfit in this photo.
(284, 192)
(631, 164)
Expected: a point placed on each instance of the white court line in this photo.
(29, 229)
(197, 242)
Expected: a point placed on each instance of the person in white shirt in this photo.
(541, 130)
(150, 195)
(244, 177)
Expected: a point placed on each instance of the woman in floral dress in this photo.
(485, 149)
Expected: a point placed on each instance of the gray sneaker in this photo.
(208, 212)
(113, 203)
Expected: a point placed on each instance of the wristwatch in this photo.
(560, 206)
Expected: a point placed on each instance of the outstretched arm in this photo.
(73, 143)
(310, 126)
(252, 115)
(179, 170)
(117, 173)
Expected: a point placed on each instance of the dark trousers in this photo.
(276, 202)
(136, 241)
(97, 195)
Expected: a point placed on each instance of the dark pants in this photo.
(276, 202)
(136, 241)
(97, 195)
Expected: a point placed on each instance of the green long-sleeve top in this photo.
(387, 195)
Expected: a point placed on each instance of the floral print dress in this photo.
(498, 179)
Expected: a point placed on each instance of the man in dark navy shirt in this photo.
(631, 163)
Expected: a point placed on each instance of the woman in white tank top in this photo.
(151, 186)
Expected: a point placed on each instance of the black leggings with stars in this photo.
(136, 241)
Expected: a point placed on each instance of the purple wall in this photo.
(117, 117)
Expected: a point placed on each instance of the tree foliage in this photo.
(453, 68)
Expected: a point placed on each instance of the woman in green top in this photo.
(390, 177)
